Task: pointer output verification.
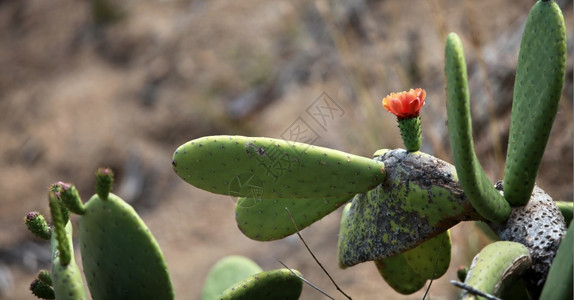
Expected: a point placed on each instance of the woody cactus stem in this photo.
(537, 91)
(477, 187)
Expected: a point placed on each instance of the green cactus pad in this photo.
(104, 182)
(431, 258)
(461, 273)
(227, 272)
(411, 132)
(560, 277)
(42, 290)
(70, 197)
(397, 272)
(45, 277)
(407, 272)
(477, 187)
(537, 91)
(496, 268)
(65, 250)
(566, 208)
(267, 219)
(267, 168)
(276, 284)
(38, 225)
(66, 278)
(120, 256)
(420, 198)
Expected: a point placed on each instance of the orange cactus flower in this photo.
(405, 105)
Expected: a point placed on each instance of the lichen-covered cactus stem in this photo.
(537, 91)
(540, 227)
(420, 198)
(477, 187)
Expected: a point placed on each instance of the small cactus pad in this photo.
(70, 197)
(407, 272)
(278, 284)
(420, 198)
(496, 267)
(66, 278)
(268, 219)
(537, 91)
(397, 272)
(64, 249)
(120, 256)
(227, 272)
(431, 258)
(411, 132)
(38, 225)
(42, 290)
(566, 208)
(560, 277)
(477, 187)
(104, 182)
(273, 169)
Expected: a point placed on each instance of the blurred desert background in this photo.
(85, 84)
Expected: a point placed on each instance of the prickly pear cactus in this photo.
(407, 272)
(120, 256)
(477, 187)
(280, 284)
(403, 202)
(559, 284)
(66, 278)
(399, 274)
(537, 91)
(496, 268)
(227, 272)
(64, 281)
(266, 168)
(420, 198)
(268, 219)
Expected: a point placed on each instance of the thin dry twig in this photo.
(313, 255)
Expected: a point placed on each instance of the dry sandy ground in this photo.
(75, 96)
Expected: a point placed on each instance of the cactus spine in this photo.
(537, 90)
